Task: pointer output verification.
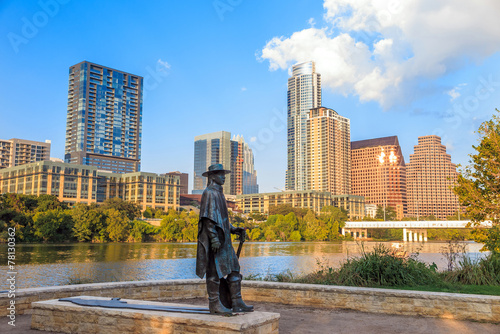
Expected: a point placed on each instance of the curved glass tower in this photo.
(304, 94)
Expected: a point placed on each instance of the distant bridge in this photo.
(412, 230)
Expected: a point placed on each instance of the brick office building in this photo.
(430, 176)
(378, 173)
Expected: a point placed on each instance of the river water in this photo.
(39, 265)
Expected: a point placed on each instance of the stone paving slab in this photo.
(66, 317)
(307, 320)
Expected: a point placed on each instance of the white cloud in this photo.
(253, 139)
(162, 65)
(454, 92)
(378, 50)
(243, 89)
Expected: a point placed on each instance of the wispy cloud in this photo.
(163, 65)
(243, 89)
(454, 93)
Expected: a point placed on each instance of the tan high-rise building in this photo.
(430, 176)
(378, 173)
(184, 179)
(16, 152)
(328, 152)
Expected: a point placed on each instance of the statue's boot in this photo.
(234, 282)
(214, 304)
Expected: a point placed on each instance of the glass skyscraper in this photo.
(304, 94)
(234, 154)
(104, 120)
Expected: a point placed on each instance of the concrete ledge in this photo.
(433, 304)
(57, 316)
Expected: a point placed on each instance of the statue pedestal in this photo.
(62, 316)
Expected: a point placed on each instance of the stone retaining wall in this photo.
(145, 290)
(388, 301)
(433, 304)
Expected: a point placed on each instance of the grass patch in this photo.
(493, 290)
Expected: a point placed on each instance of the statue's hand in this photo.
(215, 245)
(241, 232)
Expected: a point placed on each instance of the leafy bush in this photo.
(380, 267)
(384, 267)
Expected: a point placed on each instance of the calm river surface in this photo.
(40, 265)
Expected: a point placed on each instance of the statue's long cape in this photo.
(213, 207)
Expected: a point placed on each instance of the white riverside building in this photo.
(412, 230)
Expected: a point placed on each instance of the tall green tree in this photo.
(117, 225)
(478, 186)
(334, 219)
(53, 225)
(255, 234)
(131, 210)
(171, 227)
(315, 228)
(390, 213)
(49, 202)
(141, 231)
(285, 209)
(148, 213)
(89, 223)
(190, 231)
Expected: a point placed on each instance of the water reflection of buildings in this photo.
(125, 262)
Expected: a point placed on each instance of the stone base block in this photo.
(61, 316)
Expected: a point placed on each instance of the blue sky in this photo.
(410, 71)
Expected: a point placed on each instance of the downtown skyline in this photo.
(212, 72)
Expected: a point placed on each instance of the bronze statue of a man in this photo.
(215, 254)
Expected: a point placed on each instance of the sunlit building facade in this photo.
(307, 199)
(328, 152)
(104, 118)
(304, 94)
(73, 183)
(378, 173)
(15, 152)
(244, 176)
(430, 178)
(184, 178)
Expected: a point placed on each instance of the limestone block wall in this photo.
(404, 302)
(432, 304)
(145, 290)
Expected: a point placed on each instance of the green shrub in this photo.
(383, 267)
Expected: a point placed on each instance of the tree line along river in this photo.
(39, 265)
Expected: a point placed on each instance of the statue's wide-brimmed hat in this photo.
(215, 168)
